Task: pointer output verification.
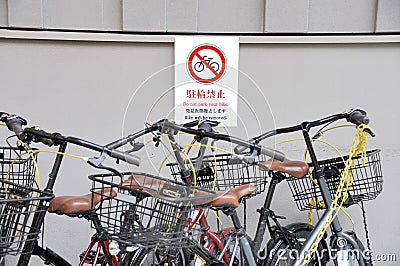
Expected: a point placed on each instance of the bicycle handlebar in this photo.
(203, 133)
(15, 123)
(166, 126)
(355, 116)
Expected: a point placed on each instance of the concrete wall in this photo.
(205, 16)
(83, 89)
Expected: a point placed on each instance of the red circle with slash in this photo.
(199, 53)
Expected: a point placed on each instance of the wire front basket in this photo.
(366, 185)
(145, 210)
(223, 172)
(17, 167)
(18, 205)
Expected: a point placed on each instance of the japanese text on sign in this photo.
(206, 78)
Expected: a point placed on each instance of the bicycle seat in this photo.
(230, 199)
(79, 204)
(294, 168)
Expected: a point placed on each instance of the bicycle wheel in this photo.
(280, 252)
(199, 67)
(215, 66)
(157, 256)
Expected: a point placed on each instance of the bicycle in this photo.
(150, 212)
(296, 236)
(231, 198)
(168, 128)
(24, 204)
(199, 66)
(326, 175)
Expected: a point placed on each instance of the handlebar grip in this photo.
(266, 151)
(15, 124)
(45, 141)
(280, 156)
(358, 116)
(205, 126)
(129, 158)
(239, 149)
(191, 124)
(3, 116)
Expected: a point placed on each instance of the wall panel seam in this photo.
(114, 37)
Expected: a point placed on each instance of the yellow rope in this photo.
(314, 202)
(358, 146)
(30, 152)
(61, 153)
(27, 151)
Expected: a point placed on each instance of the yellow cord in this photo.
(347, 214)
(316, 202)
(217, 216)
(358, 146)
(60, 153)
(186, 157)
(30, 152)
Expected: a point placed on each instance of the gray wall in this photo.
(83, 89)
(205, 16)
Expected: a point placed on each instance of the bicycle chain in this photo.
(366, 232)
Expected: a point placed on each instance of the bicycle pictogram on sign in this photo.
(206, 63)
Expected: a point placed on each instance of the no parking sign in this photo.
(206, 79)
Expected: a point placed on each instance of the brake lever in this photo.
(136, 146)
(249, 159)
(97, 161)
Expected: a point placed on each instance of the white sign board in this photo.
(206, 78)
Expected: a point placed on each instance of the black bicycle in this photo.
(24, 204)
(199, 66)
(288, 244)
(127, 210)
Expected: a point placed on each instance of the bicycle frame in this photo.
(265, 212)
(336, 227)
(38, 219)
(49, 256)
(319, 176)
(215, 239)
(31, 244)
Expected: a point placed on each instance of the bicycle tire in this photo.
(156, 256)
(200, 67)
(278, 248)
(216, 68)
(354, 260)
